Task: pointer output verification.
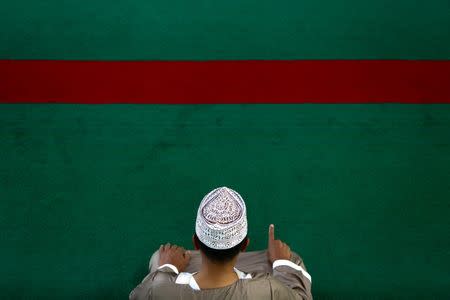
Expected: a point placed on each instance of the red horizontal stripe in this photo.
(320, 81)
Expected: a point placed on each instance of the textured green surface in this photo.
(244, 29)
(88, 192)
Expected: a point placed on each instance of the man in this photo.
(218, 270)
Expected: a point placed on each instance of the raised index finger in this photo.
(271, 233)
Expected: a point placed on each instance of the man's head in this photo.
(221, 225)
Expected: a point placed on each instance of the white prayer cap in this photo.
(221, 219)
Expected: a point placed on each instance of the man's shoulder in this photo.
(266, 285)
(265, 279)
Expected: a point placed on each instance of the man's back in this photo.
(282, 282)
(264, 287)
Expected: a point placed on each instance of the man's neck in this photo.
(215, 275)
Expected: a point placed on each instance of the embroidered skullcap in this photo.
(221, 219)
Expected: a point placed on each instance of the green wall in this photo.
(237, 29)
(89, 191)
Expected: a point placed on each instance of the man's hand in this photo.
(174, 255)
(276, 248)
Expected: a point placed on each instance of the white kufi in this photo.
(221, 219)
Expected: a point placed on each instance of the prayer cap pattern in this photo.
(221, 219)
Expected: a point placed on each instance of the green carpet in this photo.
(360, 191)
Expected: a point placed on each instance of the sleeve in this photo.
(293, 274)
(165, 273)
